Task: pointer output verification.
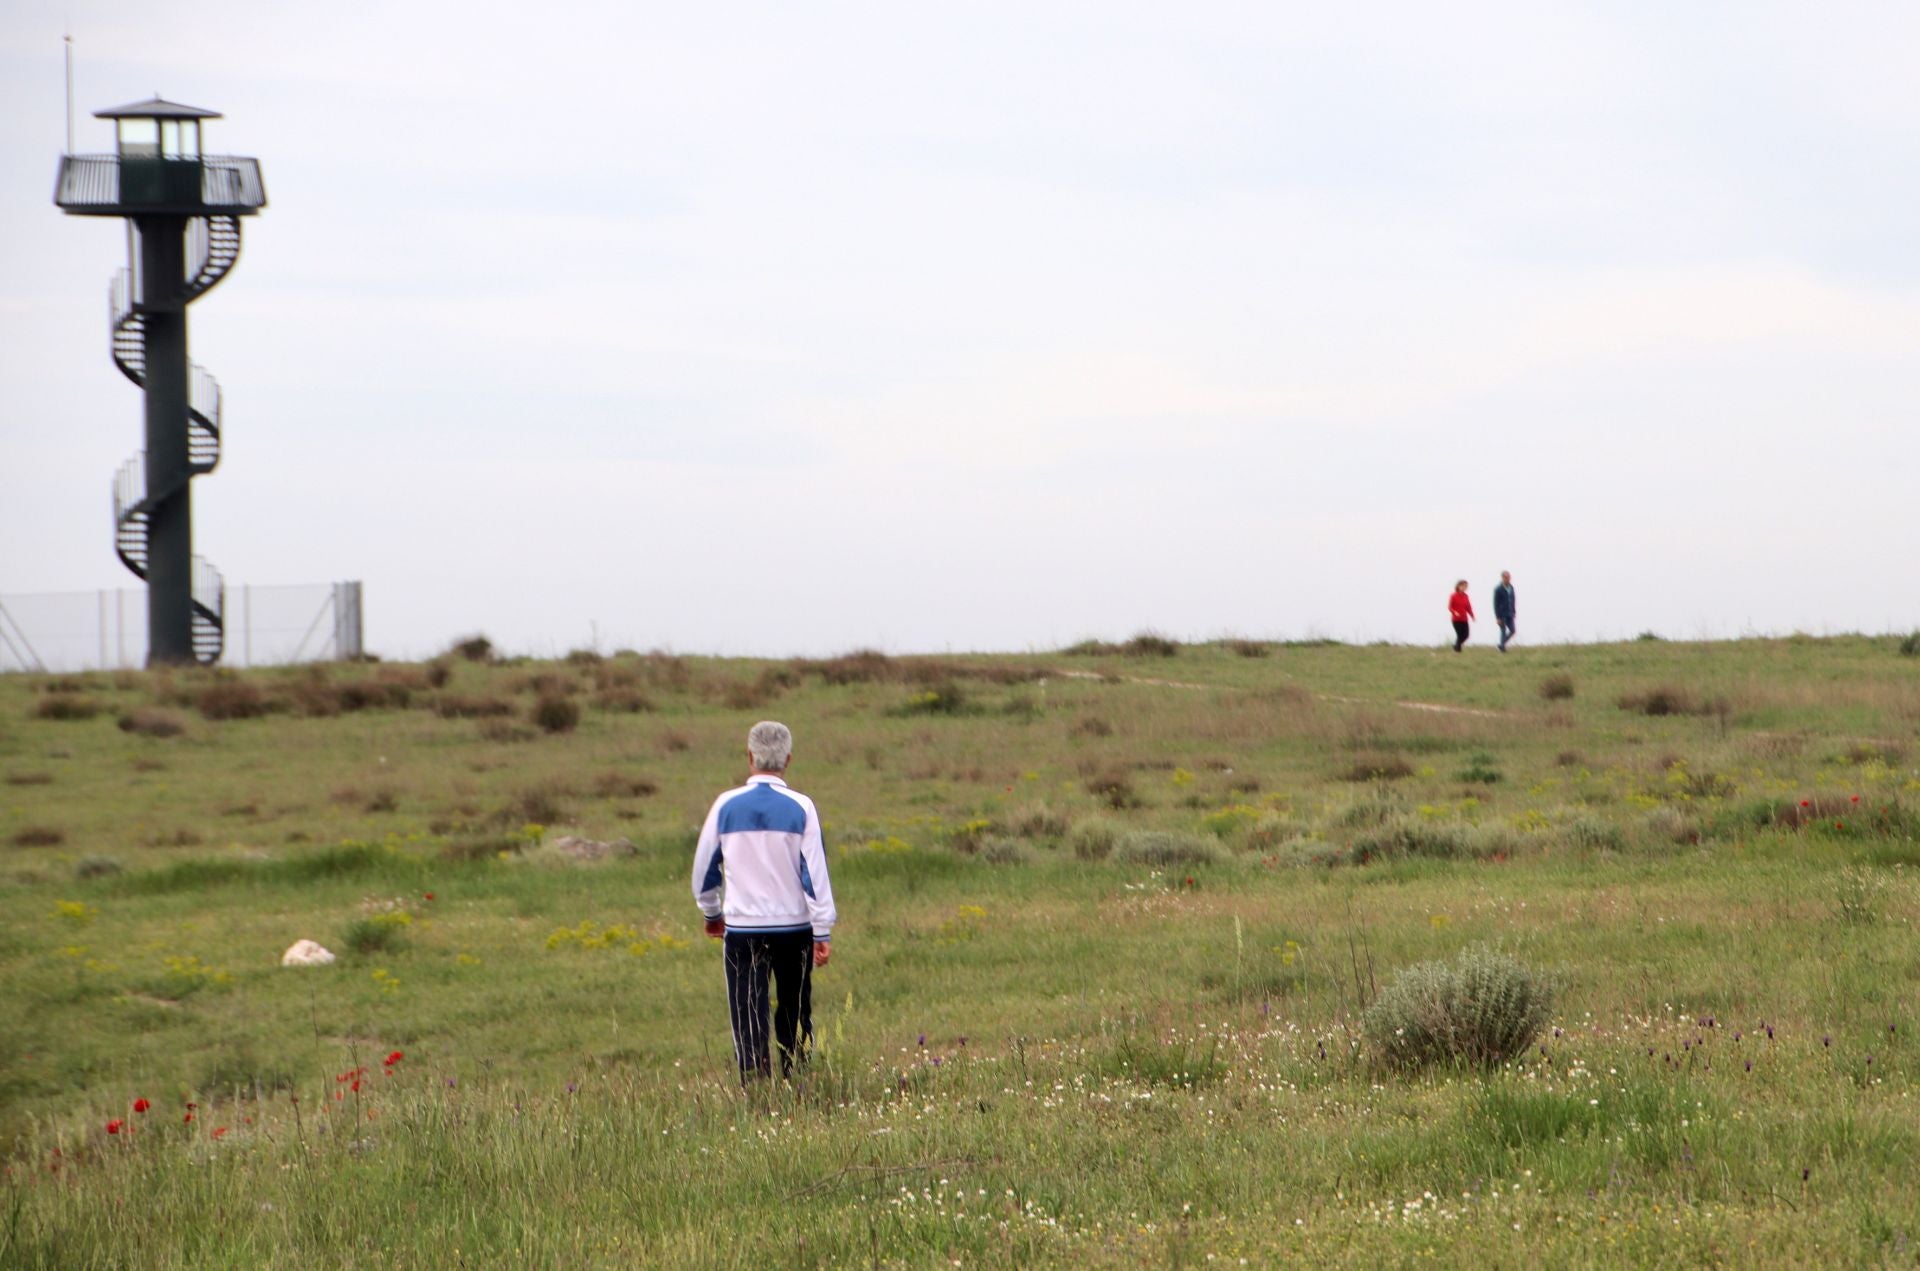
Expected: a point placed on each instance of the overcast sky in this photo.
(797, 328)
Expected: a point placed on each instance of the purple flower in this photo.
(936, 1061)
(572, 1086)
(923, 1039)
(1749, 1065)
(1826, 1041)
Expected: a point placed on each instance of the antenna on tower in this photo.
(69, 92)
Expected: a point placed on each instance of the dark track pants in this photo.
(785, 957)
(1459, 635)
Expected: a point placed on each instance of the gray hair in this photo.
(771, 745)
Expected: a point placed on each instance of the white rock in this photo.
(306, 953)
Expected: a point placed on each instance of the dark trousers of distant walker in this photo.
(1459, 635)
(786, 959)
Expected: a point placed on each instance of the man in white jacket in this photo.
(760, 878)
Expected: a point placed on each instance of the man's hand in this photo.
(822, 950)
(716, 927)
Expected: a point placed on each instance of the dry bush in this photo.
(29, 778)
(1113, 788)
(1670, 699)
(378, 799)
(542, 804)
(752, 695)
(556, 714)
(1376, 767)
(482, 847)
(461, 706)
(232, 699)
(38, 836)
(584, 657)
(622, 701)
(1091, 726)
(151, 721)
(1244, 784)
(1150, 644)
(473, 648)
(545, 684)
(439, 673)
(623, 785)
(1891, 753)
(1249, 648)
(1569, 759)
(1557, 687)
(390, 690)
(1037, 821)
(674, 742)
(66, 706)
(862, 666)
(181, 837)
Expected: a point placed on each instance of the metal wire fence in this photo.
(107, 630)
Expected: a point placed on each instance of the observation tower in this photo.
(183, 209)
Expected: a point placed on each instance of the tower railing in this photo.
(93, 181)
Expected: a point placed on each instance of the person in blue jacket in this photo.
(760, 879)
(1503, 608)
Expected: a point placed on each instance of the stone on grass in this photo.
(306, 953)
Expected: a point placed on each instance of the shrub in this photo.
(474, 648)
(1091, 726)
(1596, 834)
(1569, 759)
(1412, 836)
(66, 706)
(385, 692)
(458, 706)
(29, 778)
(439, 673)
(624, 785)
(1150, 645)
(1376, 768)
(374, 935)
(96, 867)
(1669, 699)
(1093, 839)
(1557, 688)
(1481, 1009)
(619, 699)
(1482, 768)
(1165, 847)
(231, 699)
(1249, 648)
(556, 714)
(943, 699)
(151, 721)
(1113, 788)
(998, 849)
(39, 836)
(538, 805)
(1910, 646)
(585, 657)
(1037, 821)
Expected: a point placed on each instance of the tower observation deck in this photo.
(183, 209)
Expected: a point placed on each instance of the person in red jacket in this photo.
(1460, 609)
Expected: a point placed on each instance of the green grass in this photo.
(1060, 1027)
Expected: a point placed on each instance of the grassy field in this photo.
(1110, 921)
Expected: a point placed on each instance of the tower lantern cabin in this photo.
(159, 165)
(184, 207)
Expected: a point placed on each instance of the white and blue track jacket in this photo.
(761, 852)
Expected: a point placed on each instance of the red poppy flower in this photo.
(395, 1057)
(1806, 803)
(1839, 825)
(191, 1106)
(355, 1087)
(187, 1119)
(429, 895)
(113, 1127)
(141, 1105)
(220, 1132)
(1854, 799)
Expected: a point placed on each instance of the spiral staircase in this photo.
(213, 245)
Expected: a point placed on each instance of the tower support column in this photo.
(169, 476)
